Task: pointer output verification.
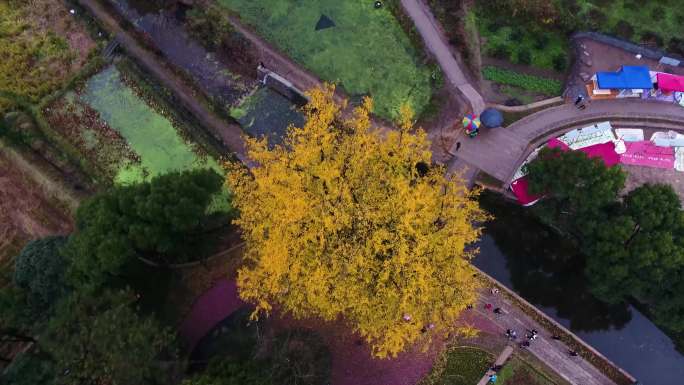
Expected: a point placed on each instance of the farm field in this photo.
(539, 36)
(26, 212)
(364, 50)
(42, 45)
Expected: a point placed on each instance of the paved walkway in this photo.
(499, 152)
(554, 354)
(353, 364)
(503, 357)
(437, 44)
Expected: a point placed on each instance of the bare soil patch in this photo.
(25, 211)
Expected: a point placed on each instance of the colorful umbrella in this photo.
(471, 122)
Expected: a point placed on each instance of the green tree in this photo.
(227, 372)
(161, 219)
(577, 186)
(29, 369)
(101, 340)
(342, 220)
(39, 270)
(640, 252)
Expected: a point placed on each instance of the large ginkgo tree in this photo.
(345, 221)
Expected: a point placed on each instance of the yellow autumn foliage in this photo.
(344, 221)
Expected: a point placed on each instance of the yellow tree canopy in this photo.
(344, 221)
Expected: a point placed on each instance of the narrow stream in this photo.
(533, 261)
(165, 30)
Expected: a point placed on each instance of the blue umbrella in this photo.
(492, 118)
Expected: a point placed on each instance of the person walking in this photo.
(458, 146)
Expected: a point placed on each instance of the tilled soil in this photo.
(25, 211)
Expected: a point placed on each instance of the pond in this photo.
(151, 135)
(543, 268)
(267, 113)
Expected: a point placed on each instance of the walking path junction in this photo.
(436, 43)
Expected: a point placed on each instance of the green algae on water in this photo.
(149, 134)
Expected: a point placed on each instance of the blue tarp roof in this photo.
(628, 77)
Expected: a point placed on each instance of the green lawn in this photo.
(516, 372)
(460, 366)
(366, 51)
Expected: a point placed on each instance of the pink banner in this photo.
(645, 153)
(605, 151)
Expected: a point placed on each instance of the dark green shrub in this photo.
(524, 56)
(676, 45)
(541, 40)
(624, 30)
(501, 51)
(596, 18)
(39, 271)
(516, 35)
(300, 357)
(560, 62)
(652, 38)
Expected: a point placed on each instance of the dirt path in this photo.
(435, 41)
(230, 134)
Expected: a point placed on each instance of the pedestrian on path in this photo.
(498, 311)
(573, 353)
(488, 306)
(458, 146)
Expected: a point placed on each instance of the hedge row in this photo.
(550, 87)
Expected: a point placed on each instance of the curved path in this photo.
(500, 151)
(436, 43)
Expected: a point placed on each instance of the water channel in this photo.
(533, 261)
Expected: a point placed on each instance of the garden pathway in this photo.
(503, 357)
(437, 44)
(499, 152)
(554, 354)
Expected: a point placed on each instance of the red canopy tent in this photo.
(669, 82)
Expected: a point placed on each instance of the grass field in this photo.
(516, 372)
(366, 52)
(461, 365)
